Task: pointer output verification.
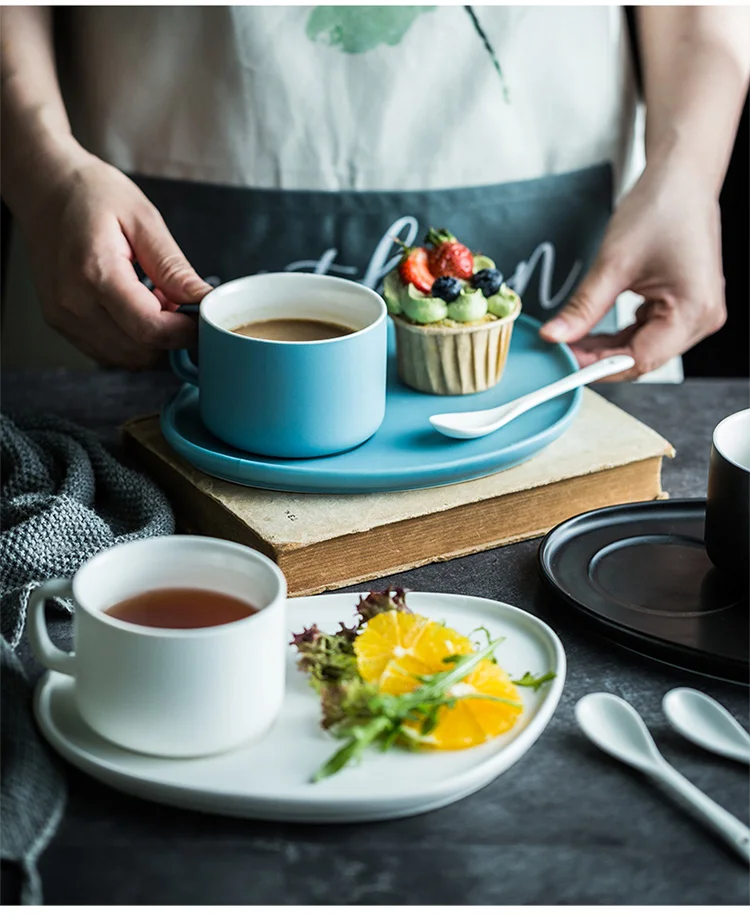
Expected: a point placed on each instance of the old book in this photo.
(322, 541)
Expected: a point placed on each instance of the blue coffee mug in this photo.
(290, 399)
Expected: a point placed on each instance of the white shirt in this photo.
(352, 98)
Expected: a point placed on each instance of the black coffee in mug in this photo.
(727, 534)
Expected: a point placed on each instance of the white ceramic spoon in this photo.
(471, 424)
(706, 723)
(616, 727)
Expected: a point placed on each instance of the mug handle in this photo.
(182, 365)
(44, 650)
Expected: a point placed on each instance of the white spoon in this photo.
(706, 723)
(615, 726)
(471, 424)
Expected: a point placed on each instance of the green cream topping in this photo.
(504, 302)
(482, 262)
(470, 307)
(392, 289)
(422, 309)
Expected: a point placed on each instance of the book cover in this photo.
(324, 541)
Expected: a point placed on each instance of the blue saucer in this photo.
(406, 452)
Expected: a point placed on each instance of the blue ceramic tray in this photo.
(406, 452)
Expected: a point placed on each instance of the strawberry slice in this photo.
(447, 256)
(414, 269)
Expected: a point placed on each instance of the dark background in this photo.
(727, 353)
(565, 826)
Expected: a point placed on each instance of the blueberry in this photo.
(447, 288)
(488, 280)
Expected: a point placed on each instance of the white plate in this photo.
(269, 779)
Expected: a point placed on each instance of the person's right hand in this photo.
(86, 226)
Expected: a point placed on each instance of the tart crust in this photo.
(461, 359)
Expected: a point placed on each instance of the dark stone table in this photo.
(565, 825)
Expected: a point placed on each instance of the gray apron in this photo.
(543, 234)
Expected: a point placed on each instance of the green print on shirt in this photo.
(356, 29)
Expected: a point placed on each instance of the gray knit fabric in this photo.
(63, 499)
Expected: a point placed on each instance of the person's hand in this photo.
(663, 243)
(85, 227)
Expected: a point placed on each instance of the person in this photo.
(148, 152)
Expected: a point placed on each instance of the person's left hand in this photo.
(663, 243)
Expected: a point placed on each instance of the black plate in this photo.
(639, 575)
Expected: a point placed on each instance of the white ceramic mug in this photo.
(166, 691)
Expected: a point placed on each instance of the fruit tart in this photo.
(453, 316)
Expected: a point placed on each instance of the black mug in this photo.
(727, 534)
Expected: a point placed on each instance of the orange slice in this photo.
(474, 721)
(394, 646)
